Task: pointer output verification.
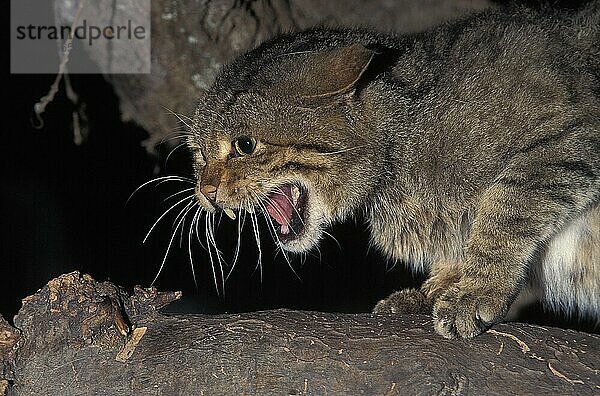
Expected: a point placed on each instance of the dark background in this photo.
(64, 208)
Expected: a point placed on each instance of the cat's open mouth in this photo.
(286, 206)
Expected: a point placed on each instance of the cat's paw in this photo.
(405, 301)
(465, 310)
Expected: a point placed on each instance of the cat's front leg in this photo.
(517, 215)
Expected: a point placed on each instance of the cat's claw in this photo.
(464, 312)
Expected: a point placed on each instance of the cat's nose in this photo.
(209, 191)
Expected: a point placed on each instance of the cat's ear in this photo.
(327, 73)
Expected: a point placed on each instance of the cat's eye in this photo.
(244, 145)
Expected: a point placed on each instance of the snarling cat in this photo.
(472, 150)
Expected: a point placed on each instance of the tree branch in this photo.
(80, 336)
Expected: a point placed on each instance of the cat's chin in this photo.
(306, 241)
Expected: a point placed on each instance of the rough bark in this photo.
(192, 39)
(79, 336)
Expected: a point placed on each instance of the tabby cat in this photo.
(472, 150)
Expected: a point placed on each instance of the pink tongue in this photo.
(280, 206)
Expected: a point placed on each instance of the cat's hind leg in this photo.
(406, 301)
(421, 300)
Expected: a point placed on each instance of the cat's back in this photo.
(582, 31)
(544, 36)
(501, 49)
(501, 80)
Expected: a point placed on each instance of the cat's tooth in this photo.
(295, 195)
(229, 213)
(285, 229)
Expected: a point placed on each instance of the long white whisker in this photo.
(270, 225)
(180, 117)
(239, 240)
(198, 232)
(212, 262)
(179, 134)
(218, 253)
(257, 237)
(334, 239)
(167, 251)
(277, 240)
(164, 214)
(303, 257)
(320, 256)
(160, 180)
(190, 234)
(174, 149)
(179, 193)
(187, 209)
(273, 231)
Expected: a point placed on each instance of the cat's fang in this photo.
(295, 195)
(229, 213)
(285, 229)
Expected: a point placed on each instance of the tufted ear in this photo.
(328, 73)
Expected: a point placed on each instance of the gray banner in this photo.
(100, 30)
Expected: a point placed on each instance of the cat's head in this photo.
(284, 133)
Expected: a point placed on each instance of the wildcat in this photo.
(472, 150)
